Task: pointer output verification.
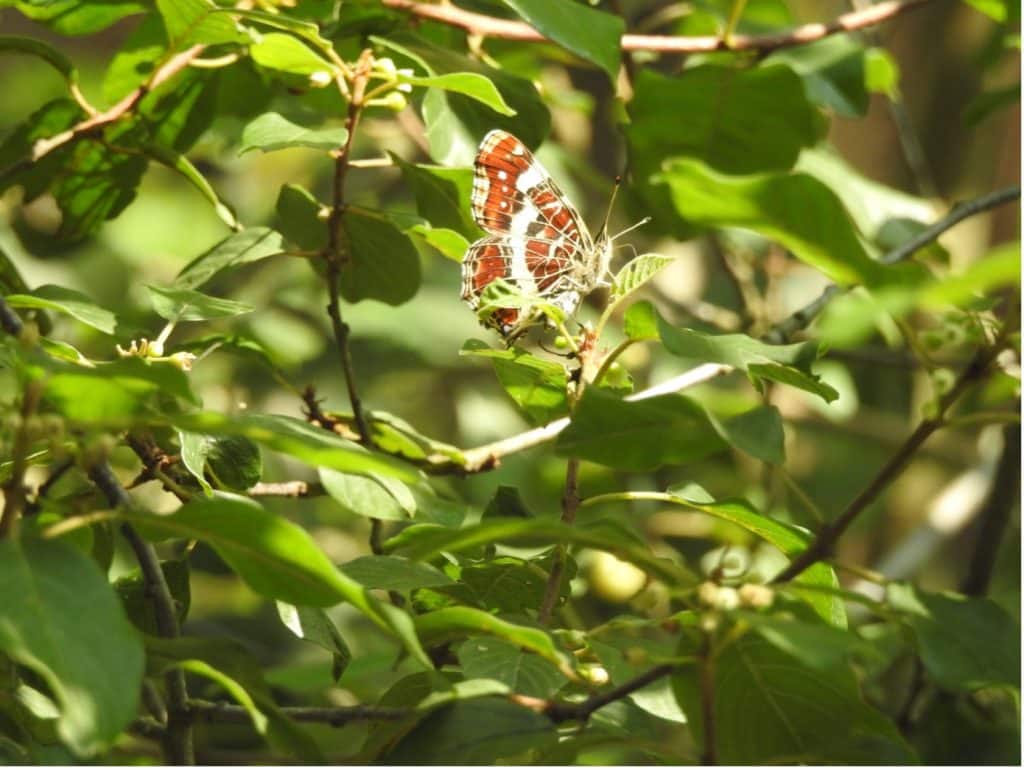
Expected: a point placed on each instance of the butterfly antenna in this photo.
(631, 228)
(611, 203)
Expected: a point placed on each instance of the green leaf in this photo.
(638, 435)
(757, 432)
(369, 495)
(46, 52)
(476, 732)
(189, 305)
(230, 665)
(136, 59)
(506, 662)
(738, 121)
(275, 558)
(288, 54)
(381, 263)
(796, 210)
(234, 461)
(788, 364)
(455, 622)
(537, 386)
(308, 31)
(115, 394)
(636, 273)
(469, 84)
(814, 644)
(393, 573)
(965, 643)
(271, 131)
(640, 321)
(426, 541)
(93, 669)
(191, 22)
(997, 10)
(590, 34)
(181, 164)
(450, 243)
(301, 217)
(988, 103)
(442, 196)
(882, 75)
(834, 71)
(311, 444)
(314, 625)
(250, 245)
(789, 714)
(69, 301)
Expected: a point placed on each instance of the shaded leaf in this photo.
(537, 386)
(189, 305)
(381, 262)
(69, 301)
(250, 245)
(393, 573)
(314, 625)
(488, 658)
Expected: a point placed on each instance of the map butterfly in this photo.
(537, 242)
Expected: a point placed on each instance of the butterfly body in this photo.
(537, 240)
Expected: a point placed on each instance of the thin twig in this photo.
(706, 679)
(15, 493)
(337, 716)
(489, 26)
(177, 739)
(286, 489)
(334, 255)
(824, 543)
(570, 503)
(558, 711)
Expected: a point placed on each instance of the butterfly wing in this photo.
(514, 195)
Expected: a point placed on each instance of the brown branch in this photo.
(825, 541)
(165, 72)
(706, 677)
(334, 255)
(570, 502)
(177, 738)
(506, 29)
(15, 492)
(215, 711)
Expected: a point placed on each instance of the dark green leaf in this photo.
(796, 210)
(314, 625)
(590, 34)
(477, 732)
(789, 714)
(272, 131)
(814, 644)
(757, 432)
(965, 643)
(506, 503)
(299, 439)
(738, 121)
(190, 305)
(834, 72)
(536, 385)
(250, 245)
(638, 435)
(301, 218)
(393, 573)
(989, 102)
(505, 585)
(93, 669)
(486, 658)
(69, 301)
(442, 196)
(381, 263)
(233, 462)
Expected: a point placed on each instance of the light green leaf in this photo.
(271, 131)
(469, 84)
(177, 305)
(69, 301)
(93, 669)
(450, 243)
(288, 54)
(369, 495)
(640, 321)
(189, 22)
(636, 273)
(796, 210)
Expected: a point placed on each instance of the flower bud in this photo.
(756, 596)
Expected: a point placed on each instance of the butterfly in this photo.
(538, 243)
